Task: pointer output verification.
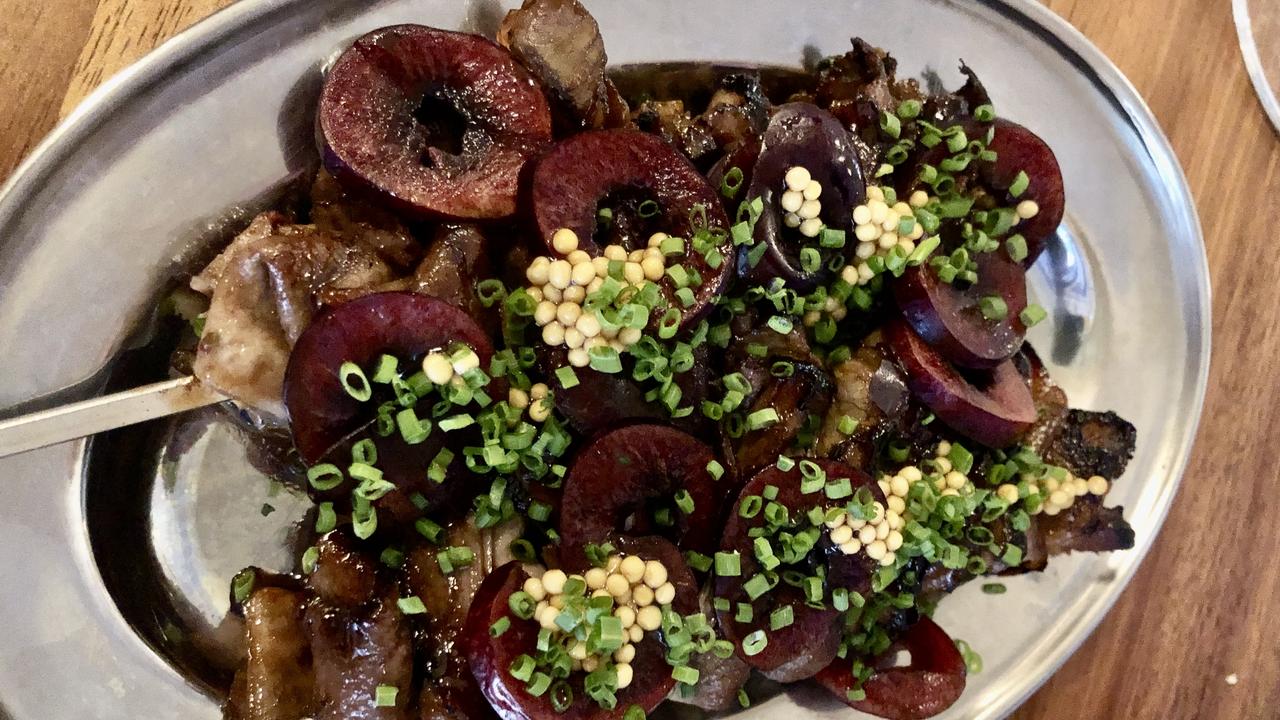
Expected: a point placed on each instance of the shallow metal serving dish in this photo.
(117, 551)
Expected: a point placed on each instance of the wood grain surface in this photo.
(1200, 607)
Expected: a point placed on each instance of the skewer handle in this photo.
(89, 417)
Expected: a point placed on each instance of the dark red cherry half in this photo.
(491, 658)
(1019, 149)
(991, 406)
(929, 684)
(619, 482)
(580, 174)
(433, 123)
(809, 644)
(801, 134)
(951, 320)
(401, 324)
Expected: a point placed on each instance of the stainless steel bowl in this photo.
(116, 552)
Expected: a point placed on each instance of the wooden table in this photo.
(1198, 610)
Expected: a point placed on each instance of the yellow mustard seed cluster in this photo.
(800, 202)
(560, 287)
(832, 307)
(880, 227)
(1056, 494)
(535, 401)
(639, 589)
(881, 536)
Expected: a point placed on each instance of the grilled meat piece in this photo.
(800, 399)
(337, 212)
(456, 260)
(738, 111)
(275, 682)
(343, 577)
(450, 692)
(678, 126)
(560, 43)
(264, 289)
(355, 652)
(1093, 443)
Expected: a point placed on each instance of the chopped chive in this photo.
(385, 696)
(697, 561)
(890, 125)
(839, 488)
(411, 605)
(429, 530)
(761, 419)
(728, 564)
(847, 425)
(685, 674)
(326, 518)
(758, 585)
(779, 324)
(412, 430)
(309, 559)
(354, 382)
(648, 209)
(1016, 246)
(781, 617)
(1033, 315)
(993, 307)
(324, 476)
(684, 501)
(715, 469)
(744, 613)
(392, 558)
(387, 365)
(567, 377)
(522, 668)
(754, 643)
(731, 182)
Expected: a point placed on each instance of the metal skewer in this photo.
(77, 420)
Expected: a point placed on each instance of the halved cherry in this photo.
(434, 123)
(951, 320)
(619, 481)
(991, 406)
(491, 658)
(929, 684)
(587, 171)
(326, 420)
(1020, 150)
(805, 135)
(809, 643)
